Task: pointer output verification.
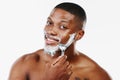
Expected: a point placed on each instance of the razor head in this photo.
(63, 47)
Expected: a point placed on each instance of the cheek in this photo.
(64, 38)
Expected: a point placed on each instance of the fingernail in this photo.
(65, 57)
(70, 73)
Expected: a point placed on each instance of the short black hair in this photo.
(74, 9)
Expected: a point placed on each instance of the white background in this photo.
(22, 23)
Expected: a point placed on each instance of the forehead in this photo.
(60, 14)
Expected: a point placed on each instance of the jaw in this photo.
(51, 50)
(62, 47)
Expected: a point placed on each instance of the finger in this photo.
(67, 75)
(66, 64)
(60, 59)
(54, 62)
(70, 73)
(63, 60)
(69, 67)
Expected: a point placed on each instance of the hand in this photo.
(60, 69)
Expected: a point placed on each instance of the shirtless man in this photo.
(59, 60)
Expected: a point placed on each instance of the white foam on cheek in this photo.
(52, 50)
(63, 47)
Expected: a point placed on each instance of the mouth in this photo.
(51, 40)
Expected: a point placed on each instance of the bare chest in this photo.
(39, 71)
(38, 76)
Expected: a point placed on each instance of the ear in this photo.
(79, 34)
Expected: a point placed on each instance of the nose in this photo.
(51, 31)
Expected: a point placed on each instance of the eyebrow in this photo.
(63, 20)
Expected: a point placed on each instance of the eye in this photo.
(63, 27)
(48, 23)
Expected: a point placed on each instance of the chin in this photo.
(51, 49)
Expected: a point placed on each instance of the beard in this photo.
(51, 50)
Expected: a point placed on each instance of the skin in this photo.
(74, 65)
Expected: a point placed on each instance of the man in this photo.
(59, 60)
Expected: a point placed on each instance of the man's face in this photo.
(60, 24)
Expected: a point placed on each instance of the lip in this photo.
(50, 40)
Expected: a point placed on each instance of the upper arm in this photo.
(18, 71)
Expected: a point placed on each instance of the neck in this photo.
(69, 52)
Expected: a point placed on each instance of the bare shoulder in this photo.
(27, 59)
(90, 70)
(21, 67)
